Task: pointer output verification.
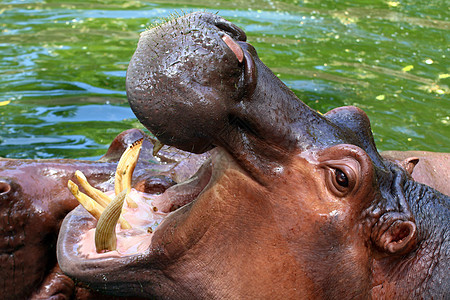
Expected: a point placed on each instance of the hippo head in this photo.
(294, 204)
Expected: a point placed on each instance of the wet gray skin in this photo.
(299, 204)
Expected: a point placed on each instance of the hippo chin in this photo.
(291, 205)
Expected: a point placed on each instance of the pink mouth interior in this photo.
(144, 219)
(237, 50)
(151, 211)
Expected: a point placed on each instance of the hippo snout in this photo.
(195, 69)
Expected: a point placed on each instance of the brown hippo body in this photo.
(297, 205)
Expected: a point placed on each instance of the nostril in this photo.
(232, 29)
(4, 187)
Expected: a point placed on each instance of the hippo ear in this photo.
(399, 238)
(409, 163)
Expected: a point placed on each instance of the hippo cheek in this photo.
(228, 208)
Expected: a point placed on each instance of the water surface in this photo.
(63, 66)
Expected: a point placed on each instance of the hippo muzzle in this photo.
(292, 204)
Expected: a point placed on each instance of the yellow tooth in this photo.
(125, 169)
(95, 194)
(105, 233)
(91, 206)
(157, 145)
(94, 208)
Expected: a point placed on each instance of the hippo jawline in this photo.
(89, 266)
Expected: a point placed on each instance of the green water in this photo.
(63, 65)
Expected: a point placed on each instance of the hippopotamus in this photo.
(292, 204)
(34, 200)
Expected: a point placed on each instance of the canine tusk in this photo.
(157, 145)
(91, 206)
(105, 233)
(125, 169)
(94, 208)
(94, 193)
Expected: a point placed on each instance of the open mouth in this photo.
(126, 219)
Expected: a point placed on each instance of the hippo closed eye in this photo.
(292, 204)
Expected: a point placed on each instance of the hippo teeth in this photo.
(157, 145)
(106, 237)
(125, 169)
(105, 232)
(237, 50)
(97, 195)
(100, 206)
(88, 203)
(93, 207)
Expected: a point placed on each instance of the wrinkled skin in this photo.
(34, 199)
(298, 206)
